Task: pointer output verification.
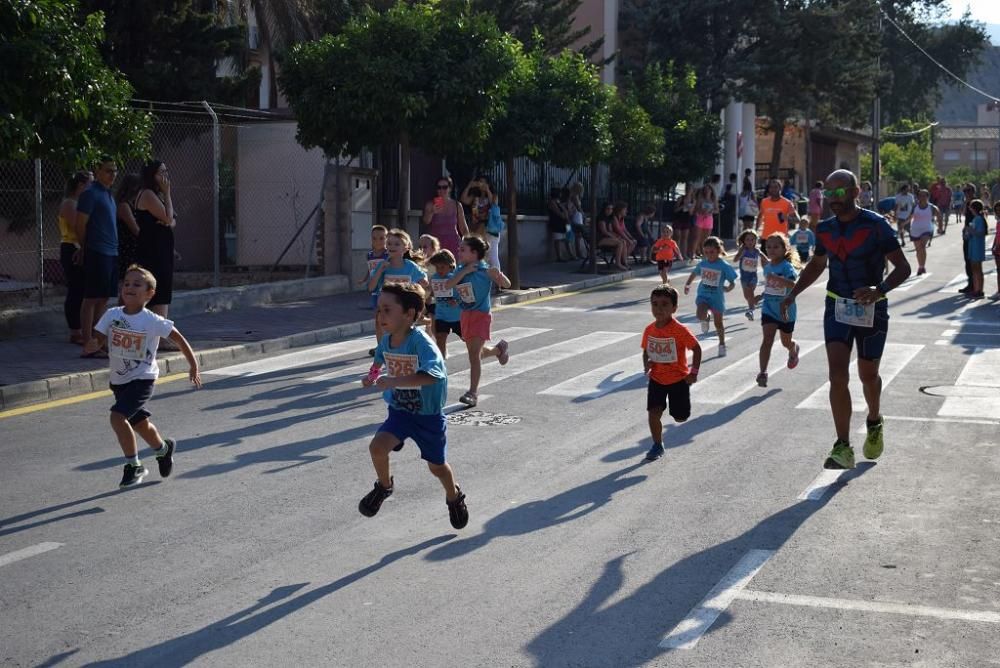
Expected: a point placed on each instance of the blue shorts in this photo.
(870, 340)
(747, 279)
(131, 398)
(429, 432)
(715, 302)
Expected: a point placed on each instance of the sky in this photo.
(986, 11)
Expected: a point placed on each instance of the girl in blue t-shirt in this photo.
(717, 277)
(977, 248)
(398, 268)
(748, 258)
(447, 314)
(780, 274)
(473, 282)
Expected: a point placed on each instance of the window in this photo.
(952, 155)
(978, 154)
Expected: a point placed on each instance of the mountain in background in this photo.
(958, 103)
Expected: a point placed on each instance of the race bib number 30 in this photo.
(440, 291)
(398, 365)
(662, 351)
(128, 344)
(466, 293)
(710, 277)
(852, 312)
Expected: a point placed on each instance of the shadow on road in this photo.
(7, 521)
(185, 649)
(628, 632)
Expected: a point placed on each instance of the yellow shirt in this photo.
(67, 231)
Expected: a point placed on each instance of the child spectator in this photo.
(665, 343)
(977, 248)
(132, 334)
(473, 281)
(415, 388)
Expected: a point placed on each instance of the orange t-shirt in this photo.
(666, 249)
(770, 210)
(666, 347)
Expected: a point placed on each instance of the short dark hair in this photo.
(409, 295)
(478, 245)
(713, 242)
(977, 205)
(664, 290)
(443, 257)
(76, 181)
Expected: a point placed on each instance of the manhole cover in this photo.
(481, 419)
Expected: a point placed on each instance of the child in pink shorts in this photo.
(473, 282)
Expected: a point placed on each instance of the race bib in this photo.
(398, 365)
(466, 293)
(749, 265)
(396, 279)
(372, 264)
(127, 344)
(440, 291)
(773, 287)
(852, 312)
(802, 238)
(710, 277)
(663, 351)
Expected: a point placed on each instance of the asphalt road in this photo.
(732, 550)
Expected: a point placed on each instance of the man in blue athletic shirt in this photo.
(854, 243)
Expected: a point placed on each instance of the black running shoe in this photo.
(655, 452)
(166, 461)
(373, 500)
(458, 513)
(133, 475)
(371, 352)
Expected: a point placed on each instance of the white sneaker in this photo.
(722, 350)
(704, 326)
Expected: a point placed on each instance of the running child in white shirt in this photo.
(132, 334)
(780, 274)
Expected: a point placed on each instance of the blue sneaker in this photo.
(655, 452)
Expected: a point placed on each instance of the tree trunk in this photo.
(779, 137)
(403, 205)
(593, 217)
(513, 261)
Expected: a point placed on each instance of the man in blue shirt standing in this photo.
(97, 230)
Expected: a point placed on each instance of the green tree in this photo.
(58, 100)
(548, 24)
(415, 75)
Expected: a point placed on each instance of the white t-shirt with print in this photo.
(904, 205)
(132, 343)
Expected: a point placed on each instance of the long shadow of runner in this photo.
(536, 515)
(628, 632)
(14, 519)
(187, 648)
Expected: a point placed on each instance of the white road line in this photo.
(608, 378)
(951, 285)
(818, 488)
(730, 383)
(982, 370)
(589, 310)
(690, 629)
(986, 616)
(912, 281)
(528, 360)
(299, 358)
(910, 418)
(32, 551)
(895, 357)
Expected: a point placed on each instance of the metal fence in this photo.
(248, 222)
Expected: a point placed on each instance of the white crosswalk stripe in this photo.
(976, 393)
(297, 359)
(912, 281)
(894, 358)
(727, 385)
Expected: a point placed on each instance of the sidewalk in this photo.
(35, 369)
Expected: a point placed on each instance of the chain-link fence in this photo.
(268, 194)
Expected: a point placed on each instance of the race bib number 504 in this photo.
(853, 312)
(662, 351)
(127, 344)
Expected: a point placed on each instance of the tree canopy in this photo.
(59, 100)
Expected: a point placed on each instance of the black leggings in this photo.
(73, 275)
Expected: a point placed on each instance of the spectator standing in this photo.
(866, 198)
(558, 224)
(479, 197)
(968, 195)
(644, 233)
(815, 204)
(682, 220)
(128, 228)
(444, 218)
(748, 208)
(154, 211)
(70, 255)
(98, 236)
(706, 206)
(577, 220)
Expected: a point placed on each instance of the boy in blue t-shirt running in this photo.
(447, 314)
(714, 271)
(415, 388)
(803, 239)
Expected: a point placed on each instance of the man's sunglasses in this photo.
(836, 192)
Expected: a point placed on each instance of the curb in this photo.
(31, 392)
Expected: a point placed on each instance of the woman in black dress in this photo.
(128, 228)
(154, 211)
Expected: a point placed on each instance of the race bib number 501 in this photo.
(662, 351)
(127, 344)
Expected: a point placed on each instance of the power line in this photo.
(911, 133)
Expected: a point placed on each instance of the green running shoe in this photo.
(874, 443)
(841, 457)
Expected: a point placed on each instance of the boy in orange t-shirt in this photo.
(665, 251)
(665, 343)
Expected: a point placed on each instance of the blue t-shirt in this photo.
(713, 274)
(475, 289)
(410, 272)
(856, 250)
(418, 354)
(774, 294)
(102, 227)
(803, 240)
(446, 309)
(977, 240)
(886, 204)
(372, 258)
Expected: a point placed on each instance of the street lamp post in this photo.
(995, 106)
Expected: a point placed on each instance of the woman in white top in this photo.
(922, 227)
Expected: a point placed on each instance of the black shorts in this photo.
(429, 308)
(444, 327)
(131, 398)
(100, 275)
(787, 327)
(678, 395)
(664, 265)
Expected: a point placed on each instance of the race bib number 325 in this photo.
(398, 365)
